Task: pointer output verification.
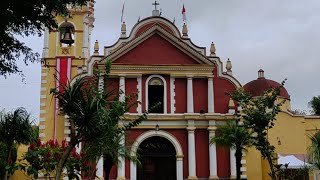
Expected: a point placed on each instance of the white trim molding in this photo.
(164, 134)
(172, 95)
(139, 88)
(164, 92)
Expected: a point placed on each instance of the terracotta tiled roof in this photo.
(259, 86)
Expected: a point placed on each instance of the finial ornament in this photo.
(155, 5)
(261, 74)
(229, 67)
(212, 49)
(184, 30)
(123, 30)
(231, 106)
(96, 48)
(155, 12)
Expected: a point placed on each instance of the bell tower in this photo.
(65, 54)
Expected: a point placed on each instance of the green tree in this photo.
(25, 18)
(233, 136)
(315, 105)
(314, 150)
(258, 115)
(93, 115)
(15, 129)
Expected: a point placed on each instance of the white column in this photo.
(233, 169)
(101, 83)
(45, 52)
(192, 153)
(210, 95)
(190, 95)
(172, 95)
(99, 172)
(122, 88)
(212, 156)
(133, 170)
(139, 87)
(121, 164)
(179, 168)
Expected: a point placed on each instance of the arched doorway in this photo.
(158, 159)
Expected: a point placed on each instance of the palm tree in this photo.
(15, 129)
(315, 105)
(93, 116)
(232, 135)
(314, 150)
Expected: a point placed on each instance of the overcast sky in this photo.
(280, 36)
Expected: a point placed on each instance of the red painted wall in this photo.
(202, 153)
(200, 91)
(221, 87)
(112, 85)
(155, 50)
(131, 89)
(113, 173)
(181, 95)
(223, 159)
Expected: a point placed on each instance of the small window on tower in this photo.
(66, 32)
(156, 95)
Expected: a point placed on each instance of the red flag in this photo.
(184, 17)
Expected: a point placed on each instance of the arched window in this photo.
(66, 34)
(156, 94)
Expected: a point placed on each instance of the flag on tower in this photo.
(122, 12)
(184, 17)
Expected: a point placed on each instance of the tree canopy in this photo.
(315, 105)
(234, 136)
(15, 128)
(25, 18)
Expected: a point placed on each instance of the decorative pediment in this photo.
(157, 46)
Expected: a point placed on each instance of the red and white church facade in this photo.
(160, 64)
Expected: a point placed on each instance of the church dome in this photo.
(259, 86)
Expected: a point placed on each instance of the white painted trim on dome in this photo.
(164, 92)
(164, 134)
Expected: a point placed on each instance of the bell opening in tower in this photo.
(66, 32)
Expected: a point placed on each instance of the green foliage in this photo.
(233, 136)
(94, 115)
(258, 114)
(3, 159)
(43, 159)
(15, 129)
(23, 19)
(314, 150)
(315, 105)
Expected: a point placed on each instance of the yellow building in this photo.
(289, 135)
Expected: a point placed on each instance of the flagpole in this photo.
(122, 12)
